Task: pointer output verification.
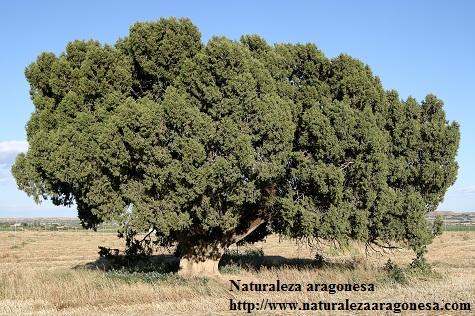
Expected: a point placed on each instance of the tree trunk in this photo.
(192, 266)
(200, 257)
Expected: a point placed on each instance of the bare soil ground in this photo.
(58, 273)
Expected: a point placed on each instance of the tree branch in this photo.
(252, 226)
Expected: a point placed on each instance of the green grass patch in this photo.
(417, 269)
(151, 277)
(459, 228)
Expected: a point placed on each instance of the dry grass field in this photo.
(53, 273)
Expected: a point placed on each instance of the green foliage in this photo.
(438, 225)
(419, 268)
(394, 273)
(195, 141)
(420, 265)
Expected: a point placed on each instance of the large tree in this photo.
(209, 144)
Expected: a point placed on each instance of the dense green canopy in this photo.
(209, 142)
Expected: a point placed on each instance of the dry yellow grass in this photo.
(42, 273)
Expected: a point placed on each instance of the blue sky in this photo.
(415, 47)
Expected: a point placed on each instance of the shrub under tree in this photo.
(210, 144)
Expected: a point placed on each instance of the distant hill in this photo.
(451, 213)
(59, 220)
(454, 218)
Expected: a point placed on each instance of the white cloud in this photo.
(466, 190)
(8, 152)
(10, 149)
(459, 198)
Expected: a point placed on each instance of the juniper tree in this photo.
(206, 145)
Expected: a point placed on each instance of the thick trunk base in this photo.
(201, 256)
(193, 268)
